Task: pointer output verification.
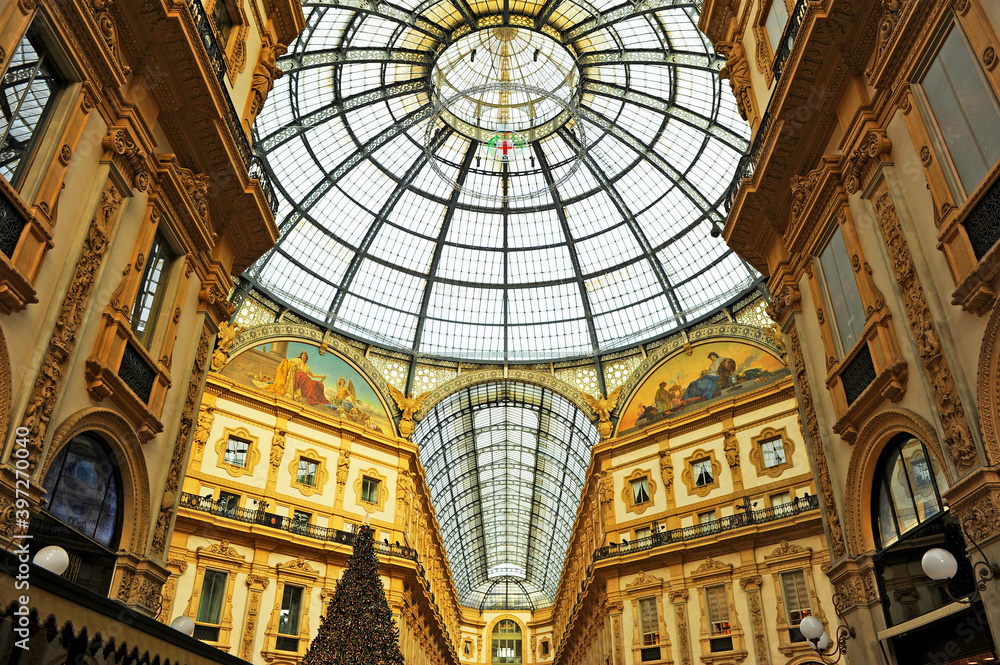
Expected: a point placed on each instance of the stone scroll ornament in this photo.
(957, 436)
(49, 380)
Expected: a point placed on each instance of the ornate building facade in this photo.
(868, 197)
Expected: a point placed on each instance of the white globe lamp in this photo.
(939, 564)
(811, 628)
(823, 643)
(53, 559)
(183, 624)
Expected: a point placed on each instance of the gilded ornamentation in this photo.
(381, 494)
(607, 495)
(802, 188)
(628, 496)
(42, 400)
(783, 303)
(757, 624)
(958, 437)
(227, 335)
(221, 548)
(757, 453)
(277, 448)
(667, 471)
(983, 516)
(988, 389)
(737, 70)
(603, 406)
(174, 471)
(264, 75)
(409, 406)
(250, 626)
(643, 580)
(319, 479)
(204, 428)
(687, 474)
(251, 458)
(811, 432)
(732, 448)
(343, 468)
(404, 489)
(65, 153)
(101, 10)
(298, 564)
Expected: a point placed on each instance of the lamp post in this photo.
(815, 633)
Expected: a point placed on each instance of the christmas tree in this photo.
(358, 628)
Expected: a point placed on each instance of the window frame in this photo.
(369, 489)
(757, 453)
(831, 316)
(236, 453)
(724, 605)
(253, 454)
(159, 249)
(215, 625)
(894, 451)
(628, 494)
(498, 639)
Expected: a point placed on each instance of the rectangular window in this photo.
(223, 22)
(213, 590)
(777, 17)
(30, 87)
(708, 522)
(640, 491)
(774, 452)
(964, 109)
(369, 490)
(307, 471)
(650, 622)
(236, 452)
(718, 610)
(645, 532)
(702, 472)
(288, 620)
(545, 647)
(781, 503)
(793, 586)
(300, 521)
(149, 299)
(228, 503)
(847, 313)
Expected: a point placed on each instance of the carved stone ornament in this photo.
(710, 565)
(784, 303)
(989, 58)
(101, 12)
(812, 434)
(221, 549)
(409, 407)
(48, 381)
(128, 157)
(298, 564)
(862, 159)
(642, 581)
(785, 549)
(958, 437)
(602, 407)
(177, 458)
(227, 334)
(628, 496)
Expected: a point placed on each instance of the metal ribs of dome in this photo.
(377, 245)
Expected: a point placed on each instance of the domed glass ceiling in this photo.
(501, 181)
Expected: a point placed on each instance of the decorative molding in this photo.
(667, 472)
(643, 581)
(988, 389)
(168, 504)
(958, 436)
(710, 566)
(221, 549)
(252, 455)
(322, 475)
(687, 474)
(628, 497)
(811, 433)
(757, 625)
(757, 452)
(383, 490)
(865, 158)
(786, 549)
(298, 566)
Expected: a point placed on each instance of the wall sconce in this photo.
(814, 632)
(940, 564)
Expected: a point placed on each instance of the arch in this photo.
(988, 391)
(871, 441)
(493, 626)
(124, 444)
(549, 381)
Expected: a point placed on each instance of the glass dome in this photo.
(501, 181)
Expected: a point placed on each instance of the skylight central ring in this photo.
(505, 63)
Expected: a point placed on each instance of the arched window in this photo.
(83, 514)
(507, 642)
(84, 489)
(908, 487)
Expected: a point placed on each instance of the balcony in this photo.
(282, 523)
(715, 527)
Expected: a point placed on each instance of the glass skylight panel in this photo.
(641, 186)
(614, 290)
(477, 228)
(317, 252)
(530, 266)
(591, 215)
(611, 248)
(534, 228)
(368, 185)
(453, 302)
(695, 90)
(392, 327)
(556, 302)
(636, 321)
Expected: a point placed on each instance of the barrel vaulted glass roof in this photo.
(505, 464)
(503, 180)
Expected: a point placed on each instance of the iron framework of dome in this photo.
(501, 181)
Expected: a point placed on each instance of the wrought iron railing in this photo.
(983, 222)
(745, 169)
(728, 523)
(209, 40)
(858, 374)
(136, 373)
(12, 224)
(205, 504)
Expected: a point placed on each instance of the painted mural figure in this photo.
(711, 383)
(294, 379)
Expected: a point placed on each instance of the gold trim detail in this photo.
(757, 453)
(627, 497)
(253, 452)
(687, 475)
(322, 475)
(383, 490)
